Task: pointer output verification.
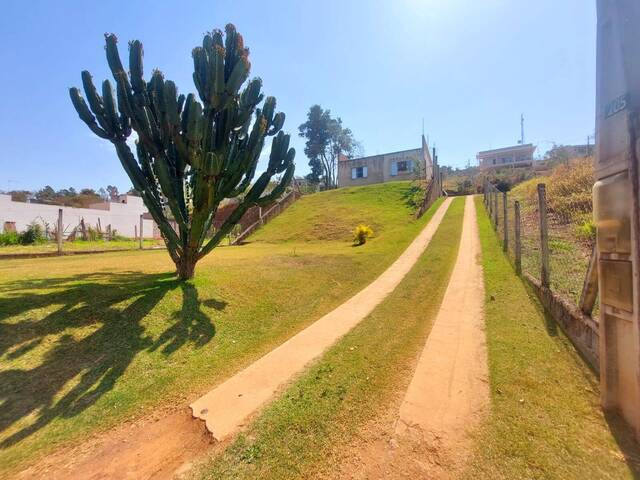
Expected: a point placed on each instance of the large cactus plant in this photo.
(190, 155)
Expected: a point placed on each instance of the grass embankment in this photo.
(545, 419)
(78, 246)
(333, 214)
(88, 342)
(304, 432)
(570, 222)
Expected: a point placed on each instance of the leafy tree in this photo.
(46, 195)
(327, 139)
(112, 190)
(559, 154)
(190, 156)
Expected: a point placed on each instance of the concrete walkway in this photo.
(449, 391)
(226, 408)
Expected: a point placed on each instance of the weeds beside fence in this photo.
(549, 238)
(570, 237)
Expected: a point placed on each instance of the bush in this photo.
(414, 196)
(569, 189)
(361, 233)
(9, 238)
(117, 237)
(93, 234)
(32, 235)
(587, 230)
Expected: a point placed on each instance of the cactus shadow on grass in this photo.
(75, 371)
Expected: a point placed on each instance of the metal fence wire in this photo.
(570, 235)
(571, 242)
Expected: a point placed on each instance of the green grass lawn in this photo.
(90, 341)
(78, 246)
(311, 220)
(303, 433)
(545, 420)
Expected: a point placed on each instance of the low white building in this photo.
(507, 157)
(123, 215)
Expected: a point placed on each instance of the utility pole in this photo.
(616, 202)
(522, 129)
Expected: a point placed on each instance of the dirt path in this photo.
(166, 444)
(227, 407)
(428, 436)
(152, 448)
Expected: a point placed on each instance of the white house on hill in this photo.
(507, 157)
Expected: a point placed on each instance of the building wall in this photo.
(124, 216)
(500, 158)
(380, 167)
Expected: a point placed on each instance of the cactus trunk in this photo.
(185, 267)
(190, 156)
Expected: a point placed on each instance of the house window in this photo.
(359, 172)
(401, 166)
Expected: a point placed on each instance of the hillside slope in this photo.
(333, 214)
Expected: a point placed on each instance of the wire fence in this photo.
(554, 248)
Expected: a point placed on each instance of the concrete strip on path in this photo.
(449, 390)
(227, 407)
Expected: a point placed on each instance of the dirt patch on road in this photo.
(426, 433)
(160, 447)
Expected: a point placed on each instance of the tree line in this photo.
(68, 197)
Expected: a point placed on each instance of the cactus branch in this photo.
(190, 154)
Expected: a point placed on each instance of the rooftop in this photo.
(526, 146)
(344, 158)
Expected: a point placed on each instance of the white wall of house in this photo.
(518, 155)
(123, 216)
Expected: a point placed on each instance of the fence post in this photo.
(590, 286)
(518, 239)
(495, 207)
(484, 192)
(490, 202)
(505, 227)
(140, 231)
(488, 195)
(544, 235)
(59, 236)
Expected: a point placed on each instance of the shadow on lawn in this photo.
(622, 433)
(625, 438)
(75, 372)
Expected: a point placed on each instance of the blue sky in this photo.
(468, 67)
